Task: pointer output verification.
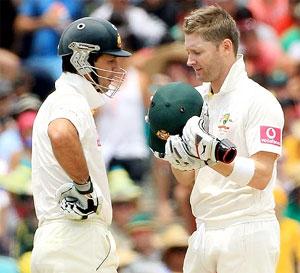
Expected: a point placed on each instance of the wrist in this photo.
(210, 163)
(84, 188)
(243, 171)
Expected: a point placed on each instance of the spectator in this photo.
(290, 40)
(45, 21)
(8, 12)
(293, 207)
(174, 247)
(261, 56)
(10, 141)
(142, 232)
(289, 256)
(125, 196)
(149, 30)
(121, 125)
(272, 12)
(8, 265)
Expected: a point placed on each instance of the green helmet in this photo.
(91, 35)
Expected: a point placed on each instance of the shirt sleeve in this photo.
(264, 126)
(28, 8)
(75, 111)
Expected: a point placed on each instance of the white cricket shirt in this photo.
(73, 99)
(250, 117)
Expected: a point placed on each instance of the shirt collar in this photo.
(237, 71)
(83, 87)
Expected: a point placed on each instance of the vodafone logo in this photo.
(270, 135)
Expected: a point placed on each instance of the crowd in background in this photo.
(151, 213)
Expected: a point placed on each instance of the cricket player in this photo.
(237, 231)
(70, 187)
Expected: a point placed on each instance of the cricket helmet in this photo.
(87, 36)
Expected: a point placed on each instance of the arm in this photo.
(264, 164)
(28, 24)
(67, 149)
(186, 178)
(162, 179)
(182, 195)
(25, 23)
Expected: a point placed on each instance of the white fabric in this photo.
(237, 112)
(153, 28)
(4, 200)
(121, 122)
(244, 248)
(73, 99)
(65, 246)
(243, 171)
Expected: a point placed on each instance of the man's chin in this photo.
(199, 77)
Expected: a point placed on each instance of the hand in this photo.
(205, 146)
(79, 201)
(200, 143)
(177, 154)
(204, 116)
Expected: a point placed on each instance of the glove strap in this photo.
(84, 188)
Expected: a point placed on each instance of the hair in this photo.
(213, 24)
(66, 64)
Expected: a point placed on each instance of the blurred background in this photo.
(152, 217)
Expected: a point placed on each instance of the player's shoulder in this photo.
(67, 96)
(259, 96)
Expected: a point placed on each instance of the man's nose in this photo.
(190, 61)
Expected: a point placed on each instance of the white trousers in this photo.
(65, 246)
(243, 248)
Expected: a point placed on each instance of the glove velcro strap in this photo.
(84, 188)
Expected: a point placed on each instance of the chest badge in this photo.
(224, 122)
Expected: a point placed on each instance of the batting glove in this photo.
(79, 201)
(177, 154)
(200, 143)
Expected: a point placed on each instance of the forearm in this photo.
(186, 178)
(161, 175)
(67, 150)
(182, 195)
(263, 163)
(28, 24)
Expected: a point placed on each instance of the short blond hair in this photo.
(214, 24)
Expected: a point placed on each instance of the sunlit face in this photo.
(123, 211)
(204, 57)
(109, 64)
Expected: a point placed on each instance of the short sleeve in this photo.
(74, 110)
(28, 8)
(264, 125)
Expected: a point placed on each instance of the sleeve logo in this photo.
(270, 135)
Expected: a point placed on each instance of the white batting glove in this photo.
(79, 201)
(200, 143)
(177, 154)
(204, 116)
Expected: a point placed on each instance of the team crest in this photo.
(119, 41)
(224, 122)
(162, 134)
